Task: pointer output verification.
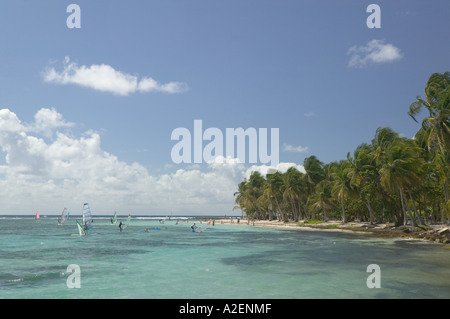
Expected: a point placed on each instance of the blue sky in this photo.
(262, 64)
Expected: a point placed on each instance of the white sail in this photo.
(202, 228)
(128, 221)
(87, 215)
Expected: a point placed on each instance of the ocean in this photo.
(41, 259)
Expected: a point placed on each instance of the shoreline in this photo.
(439, 233)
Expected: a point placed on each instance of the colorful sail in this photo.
(80, 229)
(64, 216)
(114, 219)
(37, 216)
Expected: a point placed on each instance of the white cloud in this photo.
(294, 149)
(67, 171)
(47, 120)
(375, 51)
(105, 78)
(308, 114)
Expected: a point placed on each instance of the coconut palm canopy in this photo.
(393, 178)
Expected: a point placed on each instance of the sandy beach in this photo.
(439, 233)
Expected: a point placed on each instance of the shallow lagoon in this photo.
(225, 261)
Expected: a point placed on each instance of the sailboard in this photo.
(114, 219)
(64, 216)
(123, 226)
(199, 229)
(37, 216)
(87, 220)
(87, 215)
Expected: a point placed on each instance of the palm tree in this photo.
(437, 102)
(340, 185)
(435, 130)
(274, 191)
(321, 199)
(314, 174)
(364, 176)
(248, 193)
(293, 180)
(402, 170)
(384, 137)
(240, 196)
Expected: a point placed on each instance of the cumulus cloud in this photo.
(67, 171)
(294, 149)
(47, 120)
(105, 78)
(375, 51)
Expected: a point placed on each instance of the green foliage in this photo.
(391, 179)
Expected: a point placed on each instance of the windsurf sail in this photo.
(37, 216)
(87, 215)
(63, 217)
(128, 221)
(80, 229)
(122, 226)
(199, 229)
(114, 220)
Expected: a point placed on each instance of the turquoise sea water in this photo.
(224, 261)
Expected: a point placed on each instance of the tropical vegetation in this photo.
(391, 179)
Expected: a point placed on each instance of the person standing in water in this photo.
(120, 226)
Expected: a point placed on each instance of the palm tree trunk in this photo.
(416, 213)
(325, 215)
(307, 216)
(343, 211)
(446, 187)
(413, 221)
(294, 210)
(370, 211)
(281, 217)
(446, 199)
(405, 220)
